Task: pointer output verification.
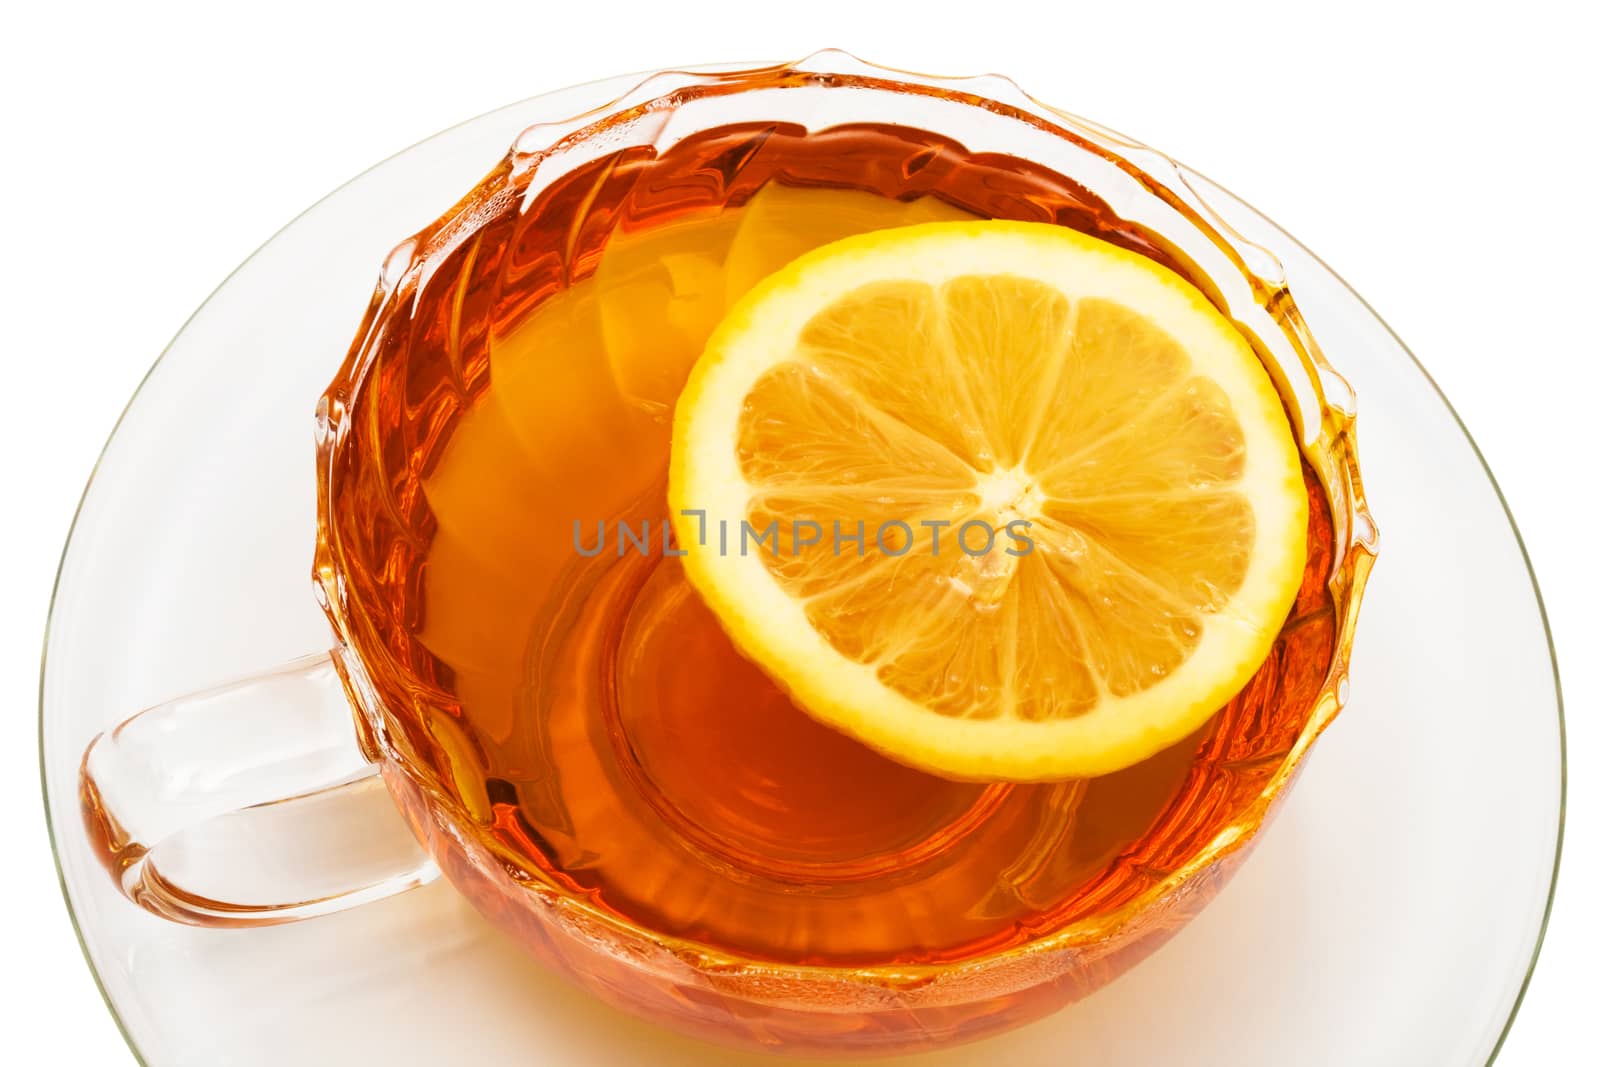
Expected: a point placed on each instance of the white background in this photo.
(1440, 157)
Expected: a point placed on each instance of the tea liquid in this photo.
(590, 713)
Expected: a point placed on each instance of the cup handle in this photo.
(249, 804)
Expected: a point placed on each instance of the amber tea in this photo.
(586, 707)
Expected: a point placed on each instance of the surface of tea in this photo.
(586, 708)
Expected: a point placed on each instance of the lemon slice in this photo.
(782, 222)
(999, 499)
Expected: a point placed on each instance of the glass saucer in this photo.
(1390, 916)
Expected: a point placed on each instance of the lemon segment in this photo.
(1006, 501)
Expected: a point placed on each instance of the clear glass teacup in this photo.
(568, 734)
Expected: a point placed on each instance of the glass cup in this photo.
(256, 802)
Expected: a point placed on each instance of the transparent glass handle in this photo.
(248, 804)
